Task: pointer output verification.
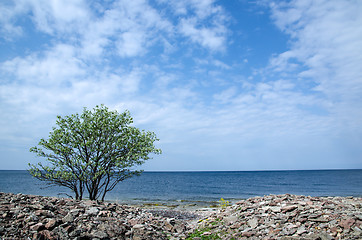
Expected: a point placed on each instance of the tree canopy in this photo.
(93, 151)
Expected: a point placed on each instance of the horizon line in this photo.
(255, 170)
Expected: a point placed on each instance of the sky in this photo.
(225, 85)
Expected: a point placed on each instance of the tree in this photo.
(93, 151)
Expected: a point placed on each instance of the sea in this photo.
(203, 188)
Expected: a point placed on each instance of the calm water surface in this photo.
(189, 187)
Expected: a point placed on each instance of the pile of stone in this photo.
(286, 217)
(35, 217)
(269, 217)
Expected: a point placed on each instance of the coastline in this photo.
(269, 217)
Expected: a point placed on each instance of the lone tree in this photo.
(93, 151)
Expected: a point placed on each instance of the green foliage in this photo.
(223, 203)
(93, 151)
(213, 226)
(198, 233)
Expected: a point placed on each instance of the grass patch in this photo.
(199, 234)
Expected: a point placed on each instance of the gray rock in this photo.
(138, 226)
(93, 211)
(321, 236)
(301, 230)
(68, 218)
(32, 217)
(99, 234)
(275, 209)
(231, 219)
(75, 212)
(253, 223)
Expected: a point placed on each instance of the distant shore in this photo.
(269, 217)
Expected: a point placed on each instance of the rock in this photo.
(347, 223)
(301, 230)
(322, 220)
(206, 234)
(247, 234)
(75, 233)
(253, 223)
(168, 226)
(75, 212)
(180, 227)
(171, 221)
(231, 219)
(45, 213)
(138, 226)
(320, 236)
(93, 211)
(68, 218)
(51, 224)
(32, 217)
(37, 227)
(48, 235)
(289, 208)
(275, 209)
(99, 234)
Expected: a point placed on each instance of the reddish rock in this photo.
(21, 215)
(334, 229)
(347, 223)
(68, 228)
(45, 213)
(51, 224)
(48, 234)
(37, 227)
(247, 234)
(133, 222)
(289, 208)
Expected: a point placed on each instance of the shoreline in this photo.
(268, 217)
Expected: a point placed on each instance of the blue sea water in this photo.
(205, 187)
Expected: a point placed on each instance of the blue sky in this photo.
(225, 85)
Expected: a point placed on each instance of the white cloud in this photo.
(131, 26)
(327, 40)
(59, 16)
(128, 83)
(58, 65)
(226, 95)
(131, 44)
(325, 48)
(212, 38)
(9, 11)
(207, 26)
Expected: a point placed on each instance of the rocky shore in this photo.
(36, 217)
(269, 217)
(286, 217)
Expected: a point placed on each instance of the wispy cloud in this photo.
(170, 64)
(326, 41)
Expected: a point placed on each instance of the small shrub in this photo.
(223, 203)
